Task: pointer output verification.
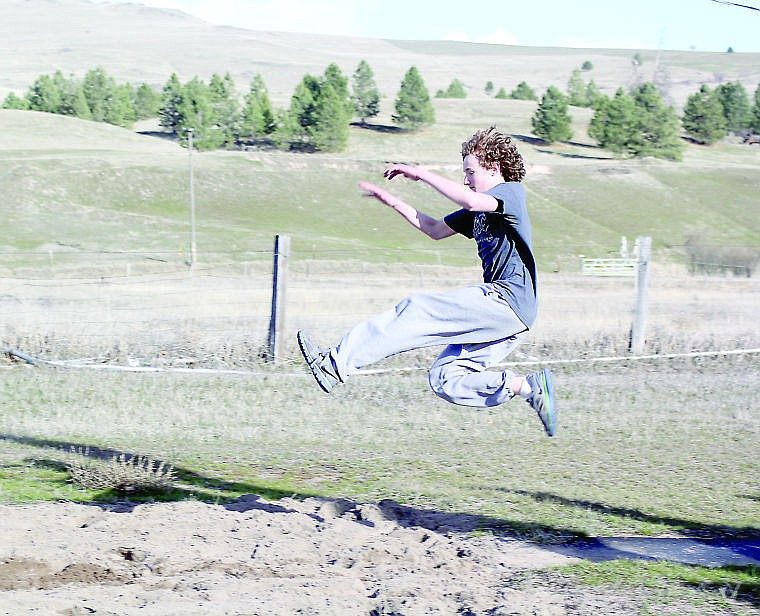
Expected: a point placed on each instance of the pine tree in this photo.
(120, 110)
(258, 118)
(523, 92)
(73, 102)
(296, 130)
(366, 95)
(14, 101)
(703, 118)
(551, 122)
(224, 108)
(196, 112)
(638, 124)
(621, 124)
(656, 126)
(754, 124)
(736, 108)
(169, 115)
(592, 94)
(576, 90)
(414, 109)
(107, 101)
(146, 101)
(614, 125)
(339, 83)
(330, 132)
(319, 114)
(98, 88)
(44, 95)
(455, 90)
(597, 127)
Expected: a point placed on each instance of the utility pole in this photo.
(193, 253)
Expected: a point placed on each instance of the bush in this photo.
(455, 90)
(122, 473)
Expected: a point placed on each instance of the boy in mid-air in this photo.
(480, 324)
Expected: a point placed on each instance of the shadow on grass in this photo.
(712, 545)
(191, 485)
(538, 142)
(244, 496)
(378, 128)
(689, 528)
(159, 134)
(529, 139)
(574, 155)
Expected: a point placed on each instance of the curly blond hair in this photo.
(495, 149)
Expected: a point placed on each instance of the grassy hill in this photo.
(136, 43)
(75, 186)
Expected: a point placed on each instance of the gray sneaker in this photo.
(314, 357)
(541, 399)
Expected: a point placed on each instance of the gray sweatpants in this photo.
(478, 328)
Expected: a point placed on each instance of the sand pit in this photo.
(257, 557)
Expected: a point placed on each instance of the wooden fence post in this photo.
(638, 329)
(279, 277)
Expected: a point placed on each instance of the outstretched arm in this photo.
(432, 227)
(460, 194)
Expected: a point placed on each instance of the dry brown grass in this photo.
(219, 318)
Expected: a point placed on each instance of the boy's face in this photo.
(477, 177)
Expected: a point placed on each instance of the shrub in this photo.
(122, 473)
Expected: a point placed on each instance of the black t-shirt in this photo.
(504, 247)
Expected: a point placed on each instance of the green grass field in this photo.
(111, 190)
(633, 456)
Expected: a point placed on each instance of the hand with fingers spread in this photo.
(370, 190)
(408, 171)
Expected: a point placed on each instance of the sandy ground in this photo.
(259, 557)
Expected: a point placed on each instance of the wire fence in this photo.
(150, 310)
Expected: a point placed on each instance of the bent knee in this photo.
(444, 381)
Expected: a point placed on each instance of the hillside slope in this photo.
(136, 43)
(80, 187)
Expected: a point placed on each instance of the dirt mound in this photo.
(256, 557)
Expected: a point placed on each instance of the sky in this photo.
(702, 25)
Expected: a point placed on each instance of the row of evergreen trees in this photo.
(712, 113)
(96, 97)
(635, 123)
(639, 123)
(317, 119)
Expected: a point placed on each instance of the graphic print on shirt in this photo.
(480, 229)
